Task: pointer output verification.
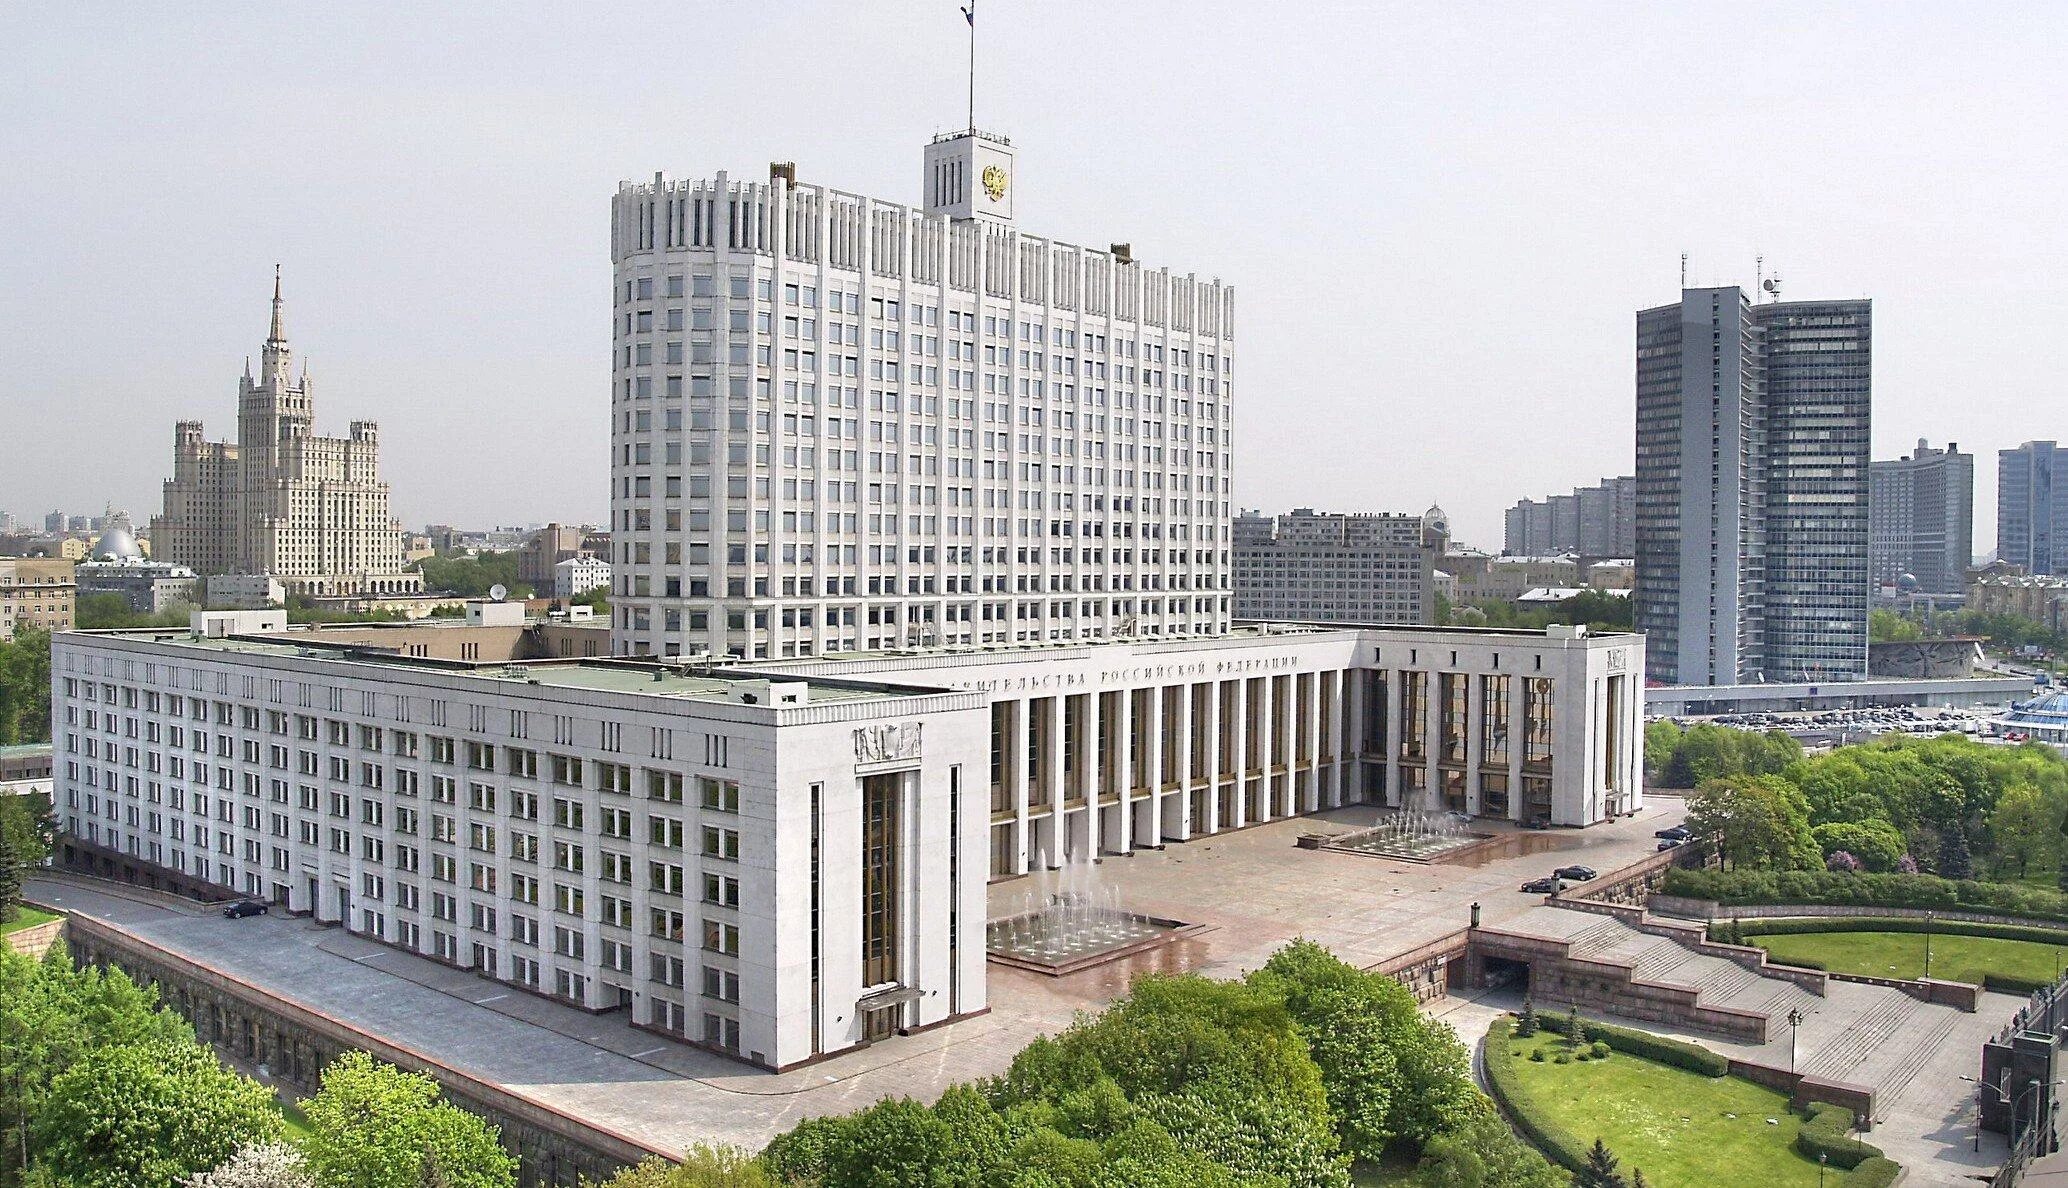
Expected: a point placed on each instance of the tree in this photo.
(1526, 1023)
(147, 1116)
(260, 1165)
(1762, 821)
(704, 1165)
(1841, 862)
(1873, 842)
(1885, 626)
(1637, 1179)
(1575, 1029)
(1480, 1151)
(51, 1016)
(374, 1126)
(1954, 860)
(1599, 1170)
(10, 878)
(25, 688)
(26, 819)
(2025, 828)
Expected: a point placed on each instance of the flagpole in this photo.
(971, 13)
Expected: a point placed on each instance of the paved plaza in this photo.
(1252, 890)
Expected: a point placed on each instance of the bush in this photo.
(1537, 1054)
(1801, 925)
(1600, 1049)
(1564, 1148)
(1562, 1058)
(1876, 1172)
(1677, 1053)
(1867, 890)
(2003, 984)
(1824, 1135)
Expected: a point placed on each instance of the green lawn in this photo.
(1683, 1130)
(297, 1122)
(1901, 954)
(27, 917)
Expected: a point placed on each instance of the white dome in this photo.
(116, 544)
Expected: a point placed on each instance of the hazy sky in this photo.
(1439, 218)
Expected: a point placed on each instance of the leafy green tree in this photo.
(103, 612)
(260, 1165)
(25, 688)
(1761, 821)
(374, 1126)
(2025, 828)
(1873, 841)
(1480, 1151)
(1600, 1170)
(473, 576)
(1885, 626)
(704, 1165)
(1954, 860)
(51, 1017)
(146, 1116)
(10, 879)
(27, 821)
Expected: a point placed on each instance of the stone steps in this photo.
(1861, 1035)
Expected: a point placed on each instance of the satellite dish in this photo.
(498, 592)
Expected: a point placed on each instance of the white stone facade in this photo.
(1177, 739)
(280, 501)
(689, 847)
(577, 576)
(841, 423)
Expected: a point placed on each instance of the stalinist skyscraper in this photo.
(311, 511)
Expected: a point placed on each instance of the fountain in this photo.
(1078, 925)
(1410, 835)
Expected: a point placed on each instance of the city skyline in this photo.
(394, 309)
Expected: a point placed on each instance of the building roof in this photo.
(625, 675)
(116, 544)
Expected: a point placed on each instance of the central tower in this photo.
(969, 175)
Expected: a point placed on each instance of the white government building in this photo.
(784, 860)
(840, 422)
(841, 428)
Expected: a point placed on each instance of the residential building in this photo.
(1328, 567)
(2032, 508)
(1752, 465)
(38, 592)
(2043, 598)
(543, 550)
(842, 422)
(244, 591)
(1482, 577)
(281, 501)
(1596, 521)
(578, 575)
(1921, 512)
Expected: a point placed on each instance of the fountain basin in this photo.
(1057, 943)
(1407, 836)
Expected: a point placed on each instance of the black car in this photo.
(243, 908)
(1543, 887)
(1575, 872)
(1675, 833)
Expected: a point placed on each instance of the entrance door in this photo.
(881, 1023)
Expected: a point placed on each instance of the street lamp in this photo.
(1794, 1026)
(1927, 944)
(1823, 1158)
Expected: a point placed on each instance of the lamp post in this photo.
(1927, 944)
(1794, 1026)
(1823, 1158)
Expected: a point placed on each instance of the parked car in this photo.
(243, 908)
(1672, 843)
(1543, 887)
(1678, 833)
(1575, 872)
(1537, 823)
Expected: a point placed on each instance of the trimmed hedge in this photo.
(1878, 1172)
(1678, 1053)
(1824, 1134)
(1558, 1144)
(1804, 925)
(2003, 984)
(1866, 890)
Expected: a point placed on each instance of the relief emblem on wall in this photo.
(895, 740)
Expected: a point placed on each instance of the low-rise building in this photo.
(779, 859)
(579, 574)
(1326, 567)
(245, 591)
(2042, 599)
(38, 592)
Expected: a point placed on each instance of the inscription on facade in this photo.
(895, 740)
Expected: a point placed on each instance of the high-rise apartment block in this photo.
(311, 511)
(1921, 520)
(1752, 488)
(1327, 567)
(847, 423)
(2032, 507)
(1596, 521)
(36, 592)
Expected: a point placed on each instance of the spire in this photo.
(279, 333)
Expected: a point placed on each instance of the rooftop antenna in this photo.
(1683, 270)
(969, 13)
(1771, 286)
